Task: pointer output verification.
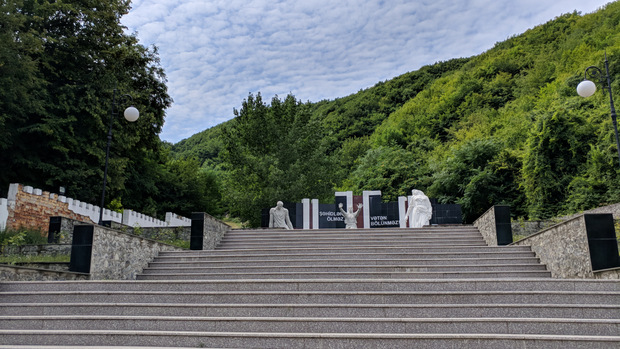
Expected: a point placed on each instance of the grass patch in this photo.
(13, 259)
(234, 222)
(178, 243)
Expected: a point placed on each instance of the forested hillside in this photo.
(503, 127)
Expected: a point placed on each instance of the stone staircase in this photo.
(438, 287)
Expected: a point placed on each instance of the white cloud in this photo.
(215, 53)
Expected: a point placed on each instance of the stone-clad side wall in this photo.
(36, 250)
(119, 256)
(487, 227)
(613, 209)
(214, 231)
(563, 248)
(13, 273)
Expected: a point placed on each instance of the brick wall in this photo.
(32, 208)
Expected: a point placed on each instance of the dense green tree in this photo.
(274, 152)
(477, 175)
(66, 58)
(557, 151)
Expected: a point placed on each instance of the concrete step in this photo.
(356, 250)
(498, 325)
(348, 238)
(310, 268)
(353, 245)
(322, 256)
(317, 297)
(343, 261)
(304, 340)
(374, 231)
(417, 285)
(348, 244)
(346, 275)
(572, 311)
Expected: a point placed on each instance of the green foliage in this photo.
(557, 150)
(62, 65)
(274, 152)
(477, 175)
(21, 259)
(392, 170)
(22, 237)
(116, 205)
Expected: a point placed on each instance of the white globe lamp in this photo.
(586, 88)
(132, 114)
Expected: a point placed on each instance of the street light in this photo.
(586, 88)
(131, 114)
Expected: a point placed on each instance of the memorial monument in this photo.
(278, 217)
(420, 210)
(350, 217)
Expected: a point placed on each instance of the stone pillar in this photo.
(81, 248)
(503, 227)
(315, 213)
(196, 238)
(366, 202)
(495, 226)
(602, 241)
(306, 209)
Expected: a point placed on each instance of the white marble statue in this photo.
(350, 217)
(278, 217)
(420, 210)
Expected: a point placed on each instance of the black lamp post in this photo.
(131, 114)
(586, 88)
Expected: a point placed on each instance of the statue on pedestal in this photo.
(420, 210)
(350, 217)
(278, 217)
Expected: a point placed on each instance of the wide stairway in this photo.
(438, 287)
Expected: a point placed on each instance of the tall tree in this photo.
(274, 152)
(82, 55)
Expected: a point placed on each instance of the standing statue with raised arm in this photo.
(278, 217)
(420, 210)
(350, 217)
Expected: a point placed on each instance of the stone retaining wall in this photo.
(214, 231)
(486, 226)
(153, 233)
(527, 228)
(121, 256)
(563, 248)
(36, 250)
(16, 273)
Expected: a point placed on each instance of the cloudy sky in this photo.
(216, 52)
